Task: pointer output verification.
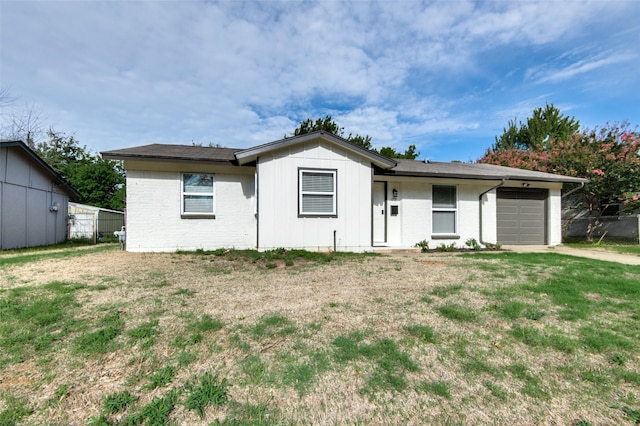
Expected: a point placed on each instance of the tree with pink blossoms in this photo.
(609, 157)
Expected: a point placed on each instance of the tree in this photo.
(100, 182)
(328, 125)
(409, 153)
(19, 123)
(609, 157)
(545, 124)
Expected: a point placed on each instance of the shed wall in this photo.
(26, 194)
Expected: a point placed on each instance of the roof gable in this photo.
(251, 154)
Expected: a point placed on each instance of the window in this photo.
(197, 194)
(317, 192)
(444, 210)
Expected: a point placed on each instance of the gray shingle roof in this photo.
(174, 153)
(472, 171)
(230, 156)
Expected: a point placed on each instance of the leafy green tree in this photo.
(545, 124)
(408, 154)
(328, 125)
(100, 182)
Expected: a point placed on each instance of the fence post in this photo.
(638, 216)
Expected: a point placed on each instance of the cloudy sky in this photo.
(446, 76)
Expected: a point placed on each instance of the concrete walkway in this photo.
(590, 253)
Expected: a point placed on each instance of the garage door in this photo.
(522, 216)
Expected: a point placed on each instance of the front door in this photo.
(379, 213)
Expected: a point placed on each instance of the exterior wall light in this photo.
(394, 192)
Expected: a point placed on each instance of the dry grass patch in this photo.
(202, 337)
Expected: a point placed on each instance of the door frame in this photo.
(384, 213)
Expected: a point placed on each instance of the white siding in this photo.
(413, 222)
(279, 224)
(154, 222)
(554, 226)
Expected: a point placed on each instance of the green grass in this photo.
(206, 390)
(542, 331)
(118, 402)
(102, 339)
(424, 333)
(458, 313)
(35, 320)
(446, 291)
(618, 247)
(273, 326)
(300, 369)
(162, 377)
(145, 331)
(390, 363)
(15, 409)
(35, 255)
(436, 388)
(204, 324)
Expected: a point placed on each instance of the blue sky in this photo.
(446, 76)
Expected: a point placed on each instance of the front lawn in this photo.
(107, 337)
(628, 248)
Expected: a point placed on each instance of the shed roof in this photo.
(473, 171)
(47, 169)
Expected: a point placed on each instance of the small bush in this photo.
(472, 243)
(423, 245)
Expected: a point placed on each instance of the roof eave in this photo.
(58, 179)
(563, 179)
(162, 158)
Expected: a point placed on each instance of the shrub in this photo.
(472, 243)
(423, 245)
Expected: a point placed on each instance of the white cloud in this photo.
(241, 73)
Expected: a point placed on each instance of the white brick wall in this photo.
(154, 221)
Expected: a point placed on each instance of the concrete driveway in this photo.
(591, 253)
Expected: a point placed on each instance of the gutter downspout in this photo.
(502, 182)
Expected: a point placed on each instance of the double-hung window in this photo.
(197, 194)
(317, 192)
(444, 210)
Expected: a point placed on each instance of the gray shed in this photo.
(33, 199)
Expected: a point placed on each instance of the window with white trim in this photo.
(317, 195)
(444, 210)
(197, 194)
